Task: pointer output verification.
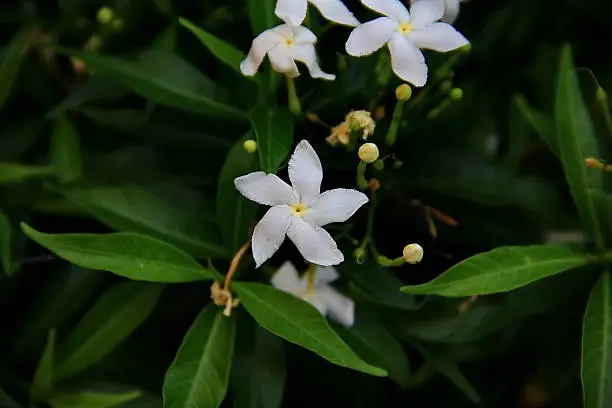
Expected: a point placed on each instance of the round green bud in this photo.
(456, 94)
(379, 164)
(117, 24)
(368, 152)
(360, 255)
(105, 15)
(403, 92)
(250, 146)
(601, 95)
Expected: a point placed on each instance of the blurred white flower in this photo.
(405, 33)
(300, 211)
(319, 293)
(294, 11)
(284, 45)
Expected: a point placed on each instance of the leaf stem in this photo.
(294, 102)
(395, 121)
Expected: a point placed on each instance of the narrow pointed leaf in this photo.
(262, 15)
(11, 61)
(44, 377)
(543, 125)
(274, 130)
(15, 173)
(92, 400)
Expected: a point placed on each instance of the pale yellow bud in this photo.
(413, 253)
(250, 146)
(105, 15)
(403, 92)
(368, 152)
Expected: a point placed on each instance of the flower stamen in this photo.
(404, 28)
(298, 209)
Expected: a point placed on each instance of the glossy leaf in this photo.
(44, 377)
(274, 130)
(501, 270)
(92, 400)
(11, 62)
(134, 256)
(66, 151)
(299, 322)
(15, 173)
(199, 374)
(6, 244)
(115, 315)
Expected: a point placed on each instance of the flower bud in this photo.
(374, 185)
(403, 92)
(456, 94)
(368, 152)
(250, 146)
(105, 15)
(360, 255)
(601, 95)
(413, 253)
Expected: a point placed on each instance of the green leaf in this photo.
(577, 142)
(597, 346)
(155, 88)
(6, 244)
(225, 52)
(92, 400)
(299, 322)
(115, 315)
(95, 89)
(6, 401)
(134, 256)
(44, 377)
(15, 173)
(199, 375)
(543, 125)
(236, 213)
(11, 61)
(501, 270)
(274, 131)
(132, 209)
(66, 151)
(262, 16)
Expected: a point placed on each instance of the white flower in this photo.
(299, 211)
(294, 11)
(451, 10)
(284, 45)
(321, 295)
(405, 32)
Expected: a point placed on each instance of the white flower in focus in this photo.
(294, 11)
(319, 293)
(405, 33)
(300, 211)
(284, 45)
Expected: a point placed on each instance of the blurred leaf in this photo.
(6, 401)
(6, 244)
(274, 130)
(11, 61)
(116, 314)
(95, 89)
(155, 88)
(236, 213)
(91, 400)
(44, 378)
(225, 52)
(66, 151)
(501, 270)
(597, 346)
(542, 124)
(576, 143)
(135, 210)
(262, 15)
(13, 148)
(167, 39)
(15, 173)
(199, 374)
(300, 323)
(165, 6)
(134, 256)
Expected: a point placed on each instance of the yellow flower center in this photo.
(289, 41)
(298, 209)
(404, 28)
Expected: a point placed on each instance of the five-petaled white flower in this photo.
(405, 32)
(284, 45)
(300, 211)
(294, 11)
(318, 293)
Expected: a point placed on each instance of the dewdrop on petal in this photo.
(413, 253)
(250, 146)
(361, 120)
(368, 152)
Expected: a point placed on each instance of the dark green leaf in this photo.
(6, 401)
(262, 15)
(91, 400)
(66, 151)
(543, 125)
(44, 377)
(11, 61)
(6, 244)
(274, 131)
(96, 89)
(15, 173)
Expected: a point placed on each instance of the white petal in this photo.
(302, 35)
(390, 8)
(451, 11)
(285, 30)
(287, 279)
(305, 172)
(325, 275)
(261, 45)
(314, 243)
(269, 233)
(407, 61)
(425, 12)
(291, 11)
(336, 205)
(438, 37)
(336, 11)
(306, 53)
(266, 189)
(281, 60)
(370, 36)
(339, 307)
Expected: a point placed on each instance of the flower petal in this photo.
(305, 172)
(269, 233)
(339, 307)
(423, 12)
(306, 53)
(325, 275)
(266, 189)
(287, 279)
(336, 11)
(451, 11)
(314, 243)
(407, 61)
(261, 45)
(370, 36)
(281, 60)
(291, 11)
(390, 8)
(438, 37)
(336, 205)
(317, 301)
(302, 35)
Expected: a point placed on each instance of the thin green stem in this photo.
(369, 223)
(294, 102)
(362, 183)
(395, 121)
